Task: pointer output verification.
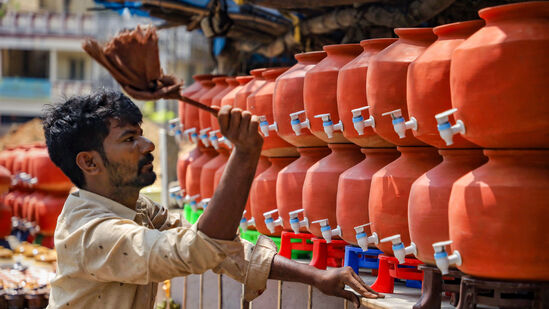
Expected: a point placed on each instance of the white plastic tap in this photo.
(327, 232)
(244, 223)
(173, 124)
(204, 136)
(399, 124)
(214, 140)
(399, 250)
(363, 239)
(329, 126)
(442, 259)
(358, 121)
(192, 201)
(191, 135)
(270, 222)
(294, 220)
(175, 194)
(297, 125)
(445, 129)
(265, 127)
(204, 203)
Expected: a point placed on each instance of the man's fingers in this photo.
(223, 118)
(234, 124)
(357, 277)
(254, 124)
(350, 296)
(245, 123)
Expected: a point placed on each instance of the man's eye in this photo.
(129, 139)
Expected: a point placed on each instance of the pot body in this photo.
(241, 98)
(320, 186)
(207, 174)
(207, 98)
(5, 180)
(354, 186)
(288, 98)
(47, 209)
(188, 92)
(386, 81)
(290, 182)
(5, 220)
(192, 180)
(49, 177)
(263, 194)
(499, 78)
(183, 163)
(498, 216)
(428, 84)
(390, 190)
(192, 119)
(351, 93)
(262, 166)
(320, 89)
(216, 101)
(429, 197)
(230, 98)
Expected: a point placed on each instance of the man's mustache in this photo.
(145, 160)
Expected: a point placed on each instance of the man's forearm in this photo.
(287, 270)
(221, 219)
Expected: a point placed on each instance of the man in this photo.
(114, 245)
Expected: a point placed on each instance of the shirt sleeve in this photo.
(121, 250)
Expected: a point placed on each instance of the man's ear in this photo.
(90, 162)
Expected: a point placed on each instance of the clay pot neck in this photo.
(231, 81)
(200, 77)
(418, 152)
(458, 30)
(258, 73)
(525, 10)
(243, 80)
(271, 74)
(220, 81)
(281, 162)
(343, 49)
(462, 155)
(380, 152)
(207, 83)
(313, 152)
(518, 156)
(416, 35)
(343, 148)
(376, 45)
(210, 151)
(311, 57)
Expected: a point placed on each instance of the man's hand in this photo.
(330, 282)
(241, 128)
(333, 281)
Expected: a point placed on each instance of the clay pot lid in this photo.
(416, 34)
(199, 77)
(515, 10)
(273, 73)
(219, 80)
(376, 44)
(310, 57)
(343, 49)
(231, 81)
(207, 83)
(257, 73)
(460, 29)
(243, 80)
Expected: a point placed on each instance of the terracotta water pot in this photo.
(262, 166)
(47, 209)
(289, 185)
(8, 158)
(260, 103)
(499, 78)
(263, 194)
(354, 188)
(216, 101)
(351, 94)
(183, 163)
(498, 216)
(5, 220)
(49, 177)
(288, 99)
(188, 92)
(230, 98)
(5, 180)
(390, 189)
(428, 87)
(320, 90)
(320, 186)
(208, 173)
(241, 98)
(192, 119)
(386, 81)
(429, 197)
(207, 98)
(192, 180)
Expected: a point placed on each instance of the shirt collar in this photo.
(113, 206)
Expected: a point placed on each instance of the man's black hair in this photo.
(81, 123)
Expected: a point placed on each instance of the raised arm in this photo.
(221, 218)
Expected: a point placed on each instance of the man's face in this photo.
(128, 156)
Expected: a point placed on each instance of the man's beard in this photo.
(124, 176)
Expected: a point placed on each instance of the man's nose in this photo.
(146, 145)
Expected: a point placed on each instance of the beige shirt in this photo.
(110, 256)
